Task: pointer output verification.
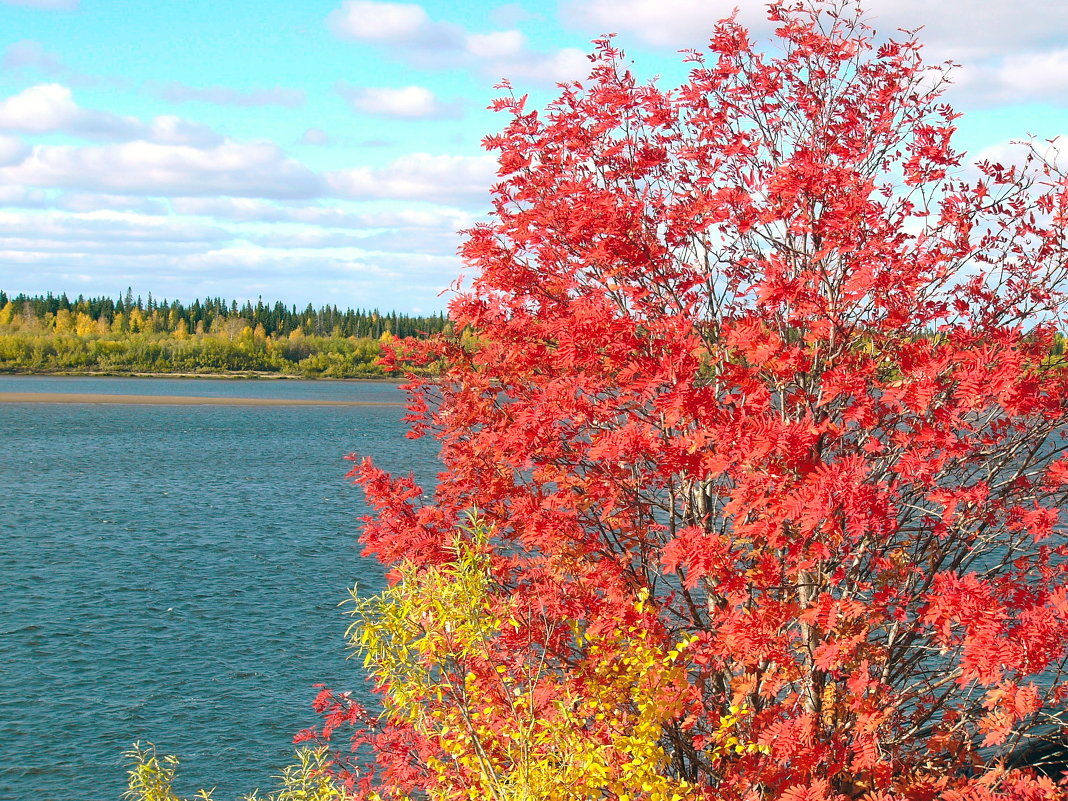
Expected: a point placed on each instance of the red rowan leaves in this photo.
(748, 351)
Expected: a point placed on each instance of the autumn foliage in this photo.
(754, 475)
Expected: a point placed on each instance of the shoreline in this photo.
(248, 375)
(173, 400)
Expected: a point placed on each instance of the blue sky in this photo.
(326, 151)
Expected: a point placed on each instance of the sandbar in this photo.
(174, 400)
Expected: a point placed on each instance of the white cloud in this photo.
(257, 169)
(360, 19)
(240, 208)
(12, 150)
(171, 256)
(376, 261)
(169, 155)
(228, 96)
(50, 107)
(413, 35)
(171, 130)
(428, 243)
(951, 28)
(408, 218)
(967, 30)
(76, 249)
(458, 180)
(1015, 152)
(1034, 73)
(23, 198)
(396, 23)
(308, 239)
(569, 64)
(29, 54)
(1009, 51)
(236, 271)
(496, 45)
(102, 231)
(406, 102)
(95, 201)
(666, 23)
(51, 5)
(1022, 77)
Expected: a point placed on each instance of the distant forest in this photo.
(54, 334)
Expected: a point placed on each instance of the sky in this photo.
(327, 151)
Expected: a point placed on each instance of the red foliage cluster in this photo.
(762, 347)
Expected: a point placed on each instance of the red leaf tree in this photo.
(755, 365)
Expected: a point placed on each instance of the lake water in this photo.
(172, 574)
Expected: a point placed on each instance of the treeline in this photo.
(53, 333)
(201, 315)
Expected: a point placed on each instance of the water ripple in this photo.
(172, 574)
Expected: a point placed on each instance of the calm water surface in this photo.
(172, 574)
